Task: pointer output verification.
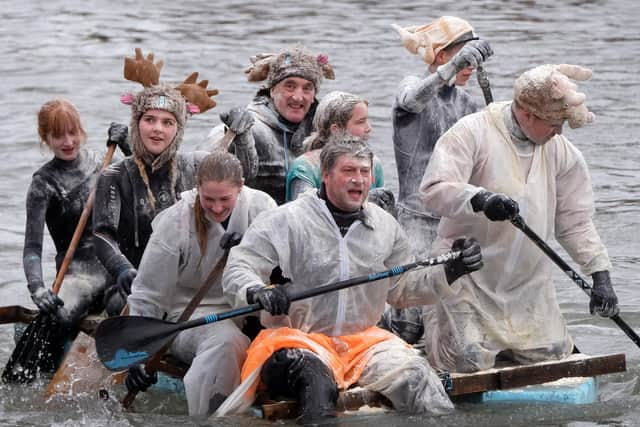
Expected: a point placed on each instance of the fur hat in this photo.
(160, 97)
(428, 40)
(294, 62)
(547, 92)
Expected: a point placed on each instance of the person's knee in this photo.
(474, 358)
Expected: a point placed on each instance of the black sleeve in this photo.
(106, 217)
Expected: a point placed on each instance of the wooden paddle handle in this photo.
(77, 234)
(226, 140)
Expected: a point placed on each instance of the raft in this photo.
(567, 381)
(572, 380)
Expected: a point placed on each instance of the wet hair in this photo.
(340, 144)
(335, 108)
(57, 118)
(218, 166)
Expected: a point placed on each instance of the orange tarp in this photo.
(346, 355)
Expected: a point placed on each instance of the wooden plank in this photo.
(349, 400)
(279, 410)
(518, 376)
(355, 398)
(591, 367)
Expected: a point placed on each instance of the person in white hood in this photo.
(186, 244)
(511, 158)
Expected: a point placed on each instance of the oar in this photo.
(483, 81)
(39, 346)
(570, 272)
(125, 341)
(154, 362)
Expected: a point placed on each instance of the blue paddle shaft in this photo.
(118, 350)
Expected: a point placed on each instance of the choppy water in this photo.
(74, 48)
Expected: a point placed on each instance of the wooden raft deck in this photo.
(456, 384)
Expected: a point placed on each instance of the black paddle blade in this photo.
(126, 341)
(40, 349)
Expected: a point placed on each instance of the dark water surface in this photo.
(75, 49)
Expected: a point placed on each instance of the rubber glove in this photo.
(44, 298)
(273, 299)
(472, 54)
(471, 259)
(497, 207)
(125, 278)
(603, 298)
(239, 120)
(138, 379)
(230, 239)
(118, 136)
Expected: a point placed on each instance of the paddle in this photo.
(483, 81)
(42, 343)
(124, 341)
(573, 275)
(153, 364)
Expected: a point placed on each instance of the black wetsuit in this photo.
(122, 212)
(57, 196)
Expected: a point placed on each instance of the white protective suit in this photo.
(509, 304)
(304, 240)
(172, 271)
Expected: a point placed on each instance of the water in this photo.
(75, 49)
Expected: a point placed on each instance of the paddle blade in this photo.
(125, 341)
(39, 349)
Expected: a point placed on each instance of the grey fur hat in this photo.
(295, 62)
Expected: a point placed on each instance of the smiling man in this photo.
(270, 130)
(313, 347)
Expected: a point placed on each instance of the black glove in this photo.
(138, 380)
(114, 300)
(383, 198)
(230, 239)
(471, 259)
(238, 120)
(44, 298)
(405, 323)
(603, 298)
(125, 278)
(118, 136)
(472, 54)
(497, 207)
(273, 299)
